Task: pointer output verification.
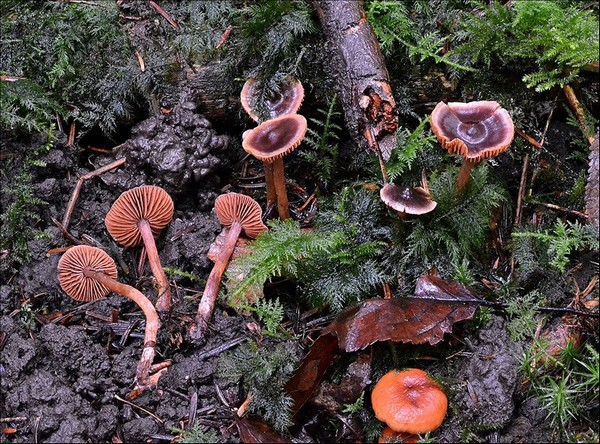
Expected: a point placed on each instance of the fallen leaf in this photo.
(424, 318)
(254, 431)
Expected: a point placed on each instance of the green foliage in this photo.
(568, 391)
(356, 406)
(20, 217)
(184, 274)
(522, 314)
(322, 144)
(263, 371)
(409, 146)
(24, 105)
(554, 37)
(458, 227)
(562, 240)
(269, 312)
(341, 261)
(277, 252)
(270, 33)
(393, 24)
(194, 435)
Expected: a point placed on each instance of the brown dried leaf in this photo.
(437, 305)
(254, 431)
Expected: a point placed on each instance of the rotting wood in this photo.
(360, 72)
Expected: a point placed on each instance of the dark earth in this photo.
(67, 368)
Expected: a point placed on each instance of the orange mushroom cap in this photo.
(275, 138)
(407, 200)
(389, 436)
(71, 276)
(147, 202)
(236, 207)
(409, 401)
(286, 101)
(475, 130)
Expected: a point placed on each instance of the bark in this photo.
(361, 75)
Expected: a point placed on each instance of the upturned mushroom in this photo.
(407, 200)
(87, 274)
(409, 401)
(475, 130)
(269, 142)
(286, 100)
(237, 213)
(135, 218)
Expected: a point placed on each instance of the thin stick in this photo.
(160, 421)
(563, 209)
(578, 111)
(305, 204)
(375, 147)
(77, 190)
(522, 185)
(529, 139)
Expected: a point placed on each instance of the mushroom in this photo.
(475, 130)
(287, 100)
(269, 142)
(237, 213)
(389, 436)
(409, 401)
(407, 200)
(87, 274)
(134, 219)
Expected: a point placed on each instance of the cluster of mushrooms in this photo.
(409, 401)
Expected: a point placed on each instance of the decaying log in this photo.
(360, 72)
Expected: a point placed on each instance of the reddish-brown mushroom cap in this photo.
(409, 401)
(390, 436)
(475, 130)
(286, 101)
(146, 202)
(236, 207)
(72, 279)
(407, 200)
(276, 137)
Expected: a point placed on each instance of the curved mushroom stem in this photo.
(211, 290)
(152, 321)
(163, 303)
(270, 182)
(282, 198)
(464, 175)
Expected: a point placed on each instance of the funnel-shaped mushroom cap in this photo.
(407, 200)
(409, 401)
(276, 137)
(475, 130)
(286, 101)
(147, 202)
(235, 207)
(71, 276)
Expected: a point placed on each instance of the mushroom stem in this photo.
(211, 290)
(163, 303)
(152, 321)
(270, 182)
(282, 198)
(464, 175)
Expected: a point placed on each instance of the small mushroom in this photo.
(134, 219)
(237, 213)
(389, 436)
(475, 130)
(407, 200)
(287, 100)
(409, 401)
(87, 274)
(272, 140)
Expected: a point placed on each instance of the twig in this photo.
(65, 233)
(219, 349)
(14, 419)
(164, 13)
(529, 139)
(522, 185)
(156, 418)
(77, 190)
(305, 204)
(578, 111)
(375, 147)
(563, 209)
